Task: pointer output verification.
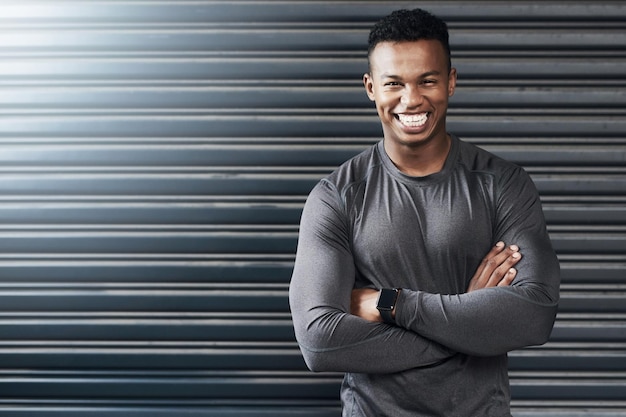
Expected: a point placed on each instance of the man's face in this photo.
(410, 84)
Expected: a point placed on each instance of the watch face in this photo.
(387, 299)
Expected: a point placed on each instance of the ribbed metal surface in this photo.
(155, 156)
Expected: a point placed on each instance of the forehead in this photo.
(408, 57)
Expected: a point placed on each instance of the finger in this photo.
(488, 259)
(501, 271)
(481, 276)
(495, 250)
(495, 266)
(508, 278)
(497, 255)
(494, 259)
(501, 258)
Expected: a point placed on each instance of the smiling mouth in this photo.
(413, 120)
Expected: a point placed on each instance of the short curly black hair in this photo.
(410, 25)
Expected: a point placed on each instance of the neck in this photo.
(419, 160)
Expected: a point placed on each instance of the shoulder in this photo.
(328, 201)
(354, 171)
(476, 159)
(338, 189)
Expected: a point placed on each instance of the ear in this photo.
(368, 83)
(452, 82)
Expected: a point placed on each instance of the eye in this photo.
(429, 82)
(391, 84)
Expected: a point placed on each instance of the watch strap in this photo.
(387, 316)
(387, 303)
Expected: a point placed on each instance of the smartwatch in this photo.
(386, 303)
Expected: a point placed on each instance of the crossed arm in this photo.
(495, 270)
(338, 328)
(491, 318)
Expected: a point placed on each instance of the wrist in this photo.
(386, 304)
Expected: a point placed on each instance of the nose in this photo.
(411, 97)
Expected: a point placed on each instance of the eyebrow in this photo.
(397, 77)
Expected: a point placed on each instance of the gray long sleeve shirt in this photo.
(370, 225)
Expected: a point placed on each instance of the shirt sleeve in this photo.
(494, 321)
(330, 338)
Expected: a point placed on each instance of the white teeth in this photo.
(413, 120)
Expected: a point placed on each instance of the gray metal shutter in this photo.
(155, 156)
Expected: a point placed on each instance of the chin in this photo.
(413, 139)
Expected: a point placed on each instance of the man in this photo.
(402, 279)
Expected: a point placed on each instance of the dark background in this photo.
(155, 157)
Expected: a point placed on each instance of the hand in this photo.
(496, 268)
(363, 304)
